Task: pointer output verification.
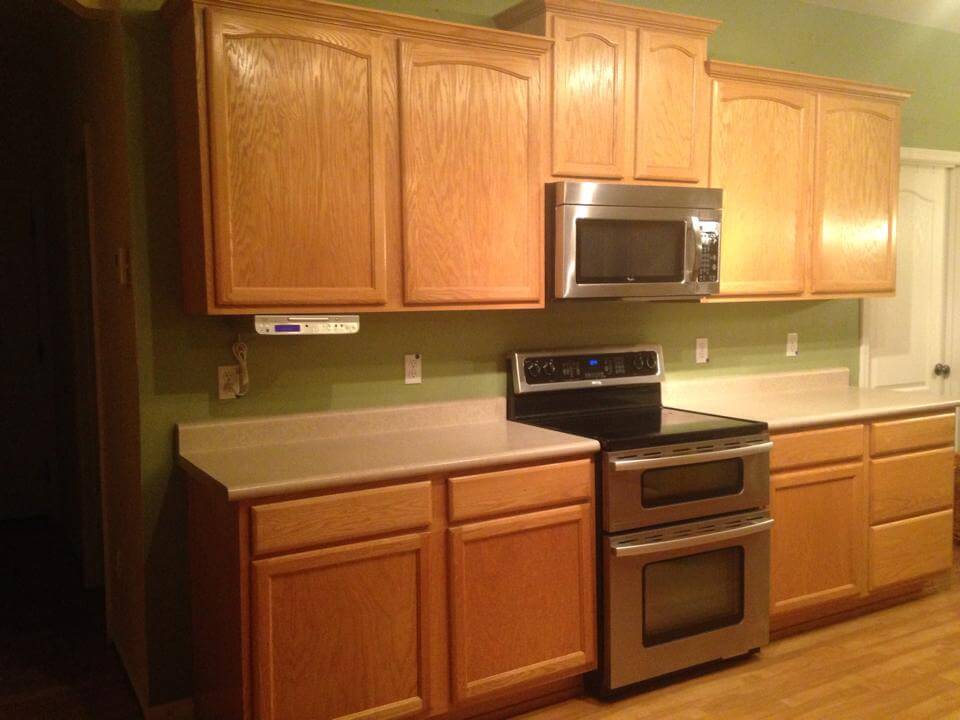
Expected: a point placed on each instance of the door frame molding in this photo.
(950, 161)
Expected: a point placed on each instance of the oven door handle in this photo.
(686, 543)
(627, 465)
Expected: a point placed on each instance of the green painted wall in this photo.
(464, 352)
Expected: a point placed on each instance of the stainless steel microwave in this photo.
(635, 241)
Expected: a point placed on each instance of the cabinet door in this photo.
(297, 161)
(371, 662)
(472, 189)
(673, 108)
(857, 173)
(762, 157)
(819, 536)
(588, 98)
(522, 601)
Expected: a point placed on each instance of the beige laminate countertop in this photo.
(802, 400)
(293, 454)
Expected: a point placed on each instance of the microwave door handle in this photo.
(692, 250)
(629, 464)
(687, 543)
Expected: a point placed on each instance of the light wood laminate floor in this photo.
(902, 662)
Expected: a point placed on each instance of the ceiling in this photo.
(943, 14)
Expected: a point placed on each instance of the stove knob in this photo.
(533, 369)
(652, 362)
(549, 369)
(638, 362)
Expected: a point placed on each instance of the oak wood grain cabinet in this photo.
(809, 167)
(631, 98)
(293, 195)
(863, 513)
(436, 597)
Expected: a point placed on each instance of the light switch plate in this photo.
(412, 369)
(703, 351)
(793, 344)
(228, 382)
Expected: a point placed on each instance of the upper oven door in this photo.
(656, 486)
(616, 251)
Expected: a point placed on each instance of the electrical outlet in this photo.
(228, 381)
(413, 369)
(793, 344)
(703, 351)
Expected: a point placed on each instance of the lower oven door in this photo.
(684, 595)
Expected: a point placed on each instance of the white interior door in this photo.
(904, 338)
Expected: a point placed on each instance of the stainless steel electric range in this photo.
(684, 534)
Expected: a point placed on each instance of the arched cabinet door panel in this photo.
(857, 176)
(471, 127)
(762, 157)
(297, 159)
(673, 108)
(589, 101)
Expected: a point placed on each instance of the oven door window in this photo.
(625, 251)
(692, 594)
(687, 483)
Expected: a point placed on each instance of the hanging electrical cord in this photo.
(240, 353)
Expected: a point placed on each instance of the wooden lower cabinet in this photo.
(818, 536)
(436, 597)
(856, 522)
(522, 601)
(342, 632)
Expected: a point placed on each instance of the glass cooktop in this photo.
(631, 428)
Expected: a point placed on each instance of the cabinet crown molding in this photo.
(604, 10)
(377, 21)
(737, 71)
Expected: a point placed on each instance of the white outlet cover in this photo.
(228, 382)
(413, 369)
(793, 344)
(703, 351)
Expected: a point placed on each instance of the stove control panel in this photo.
(587, 369)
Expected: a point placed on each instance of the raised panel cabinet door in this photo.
(589, 104)
(522, 601)
(857, 174)
(673, 108)
(297, 152)
(762, 158)
(472, 186)
(342, 632)
(818, 542)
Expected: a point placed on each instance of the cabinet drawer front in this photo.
(911, 484)
(817, 447)
(497, 493)
(909, 549)
(911, 434)
(344, 516)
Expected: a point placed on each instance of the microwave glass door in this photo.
(685, 483)
(692, 594)
(622, 251)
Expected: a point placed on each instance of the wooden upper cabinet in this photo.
(809, 167)
(471, 125)
(589, 98)
(372, 661)
(858, 160)
(762, 157)
(673, 108)
(297, 150)
(631, 97)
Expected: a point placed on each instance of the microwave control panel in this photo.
(709, 267)
(596, 367)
